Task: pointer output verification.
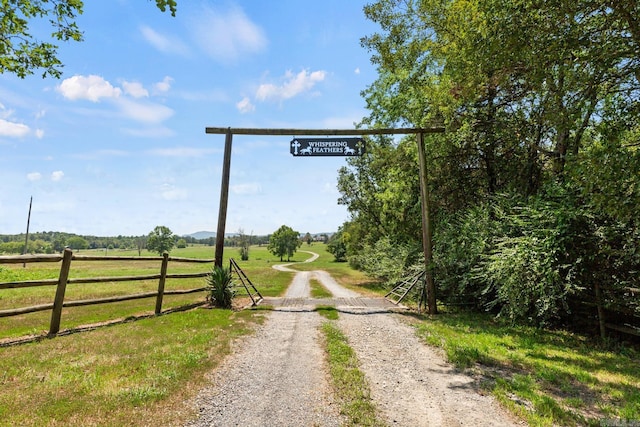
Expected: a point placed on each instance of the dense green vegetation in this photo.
(535, 185)
(51, 242)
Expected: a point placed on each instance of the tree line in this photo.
(535, 185)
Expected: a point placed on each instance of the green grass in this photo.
(327, 312)
(268, 281)
(135, 374)
(349, 382)
(317, 290)
(545, 377)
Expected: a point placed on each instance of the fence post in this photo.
(163, 278)
(601, 315)
(54, 327)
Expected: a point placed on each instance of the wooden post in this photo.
(26, 237)
(601, 316)
(224, 198)
(427, 245)
(161, 282)
(56, 314)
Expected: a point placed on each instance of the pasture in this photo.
(142, 369)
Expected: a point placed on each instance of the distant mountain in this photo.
(200, 235)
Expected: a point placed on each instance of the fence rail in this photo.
(63, 279)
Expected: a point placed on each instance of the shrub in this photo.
(220, 290)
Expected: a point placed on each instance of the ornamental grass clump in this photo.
(220, 291)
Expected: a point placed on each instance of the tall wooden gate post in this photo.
(161, 282)
(224, 198)
(427, 244)
(56, 314)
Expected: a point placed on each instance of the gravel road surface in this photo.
(278, 376)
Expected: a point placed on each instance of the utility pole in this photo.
(26, 238)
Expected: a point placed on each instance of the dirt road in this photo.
(278, 377)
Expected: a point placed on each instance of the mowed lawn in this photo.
(142, 370)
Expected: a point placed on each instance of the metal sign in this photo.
(327, 146)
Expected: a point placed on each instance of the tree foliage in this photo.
(337, 247)
(535, 185)
(22, 53)
(284, 241)
(160, 240)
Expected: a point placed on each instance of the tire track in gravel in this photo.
(278, 377)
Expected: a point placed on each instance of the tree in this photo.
(182, 243)
(77, 242)
(308, 238)
(160, 240)
(244, 242)
(284, 241)
(337, 247)
(21, 53)
(141, 243)
(540, 104)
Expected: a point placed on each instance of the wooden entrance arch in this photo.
(424, 189)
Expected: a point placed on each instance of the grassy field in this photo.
(269, 282)
(141, 372)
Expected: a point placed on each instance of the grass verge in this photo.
(137, 373)
(545, 377)
(317, 290)
(349, 382)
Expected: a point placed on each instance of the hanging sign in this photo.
(327, 147)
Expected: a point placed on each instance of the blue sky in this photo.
(118, 144)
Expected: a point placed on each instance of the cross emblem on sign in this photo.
(295, 144)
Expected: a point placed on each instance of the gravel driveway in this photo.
(278, 376)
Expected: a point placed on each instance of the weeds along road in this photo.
(279, 377)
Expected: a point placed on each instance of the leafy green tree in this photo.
(337, 247)
(535, 184)
(160, 240)
(21, 53)
(77, 243)
(284, 241)
(182, 243)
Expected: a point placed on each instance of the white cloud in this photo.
(245, 106)
(248, 188)
(357, 70)
(135, 89)
(57, 175)
(13, 129)
(34, 176)
(292, 85)
(164, 85)
(163, 43)
(226, 35)
(90, 87)
(39, 133)
(146, 112)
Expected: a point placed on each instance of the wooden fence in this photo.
(63, 279)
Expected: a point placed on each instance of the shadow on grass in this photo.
(569, 378)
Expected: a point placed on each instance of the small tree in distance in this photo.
(161, 239)
(284, 241)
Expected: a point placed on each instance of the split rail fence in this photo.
(63, 279)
